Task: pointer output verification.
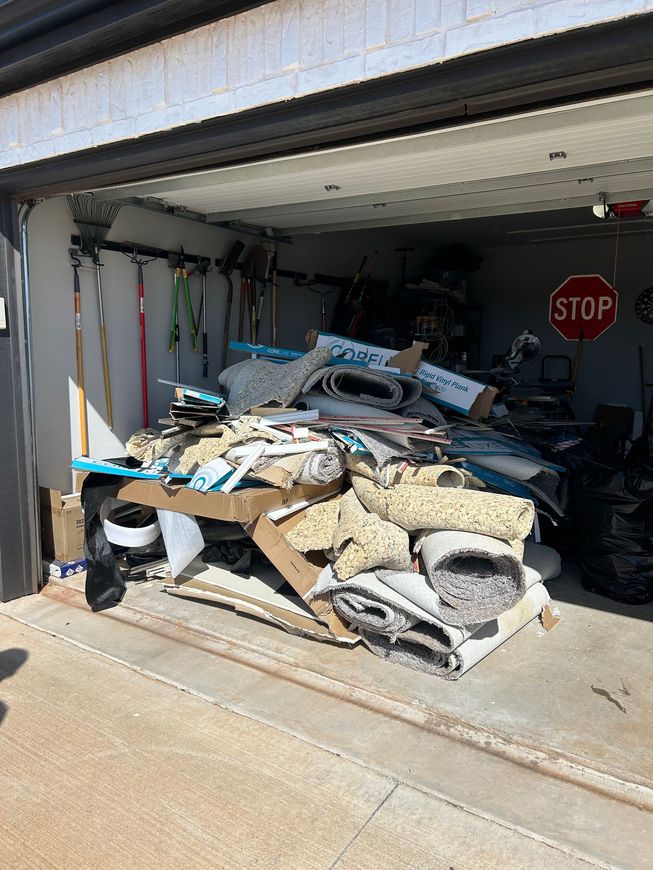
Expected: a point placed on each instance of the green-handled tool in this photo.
(181, 275)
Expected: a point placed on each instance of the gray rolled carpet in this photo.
(259, 382)
(422, 409)
(322, 466)
(476, 577)
(363, 385)
(414, 648)
(364, 602)
(541, 563)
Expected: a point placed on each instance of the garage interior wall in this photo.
(513, 287)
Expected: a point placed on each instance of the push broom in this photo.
(94, 218)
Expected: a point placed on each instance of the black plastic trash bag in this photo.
(105, 585)
(613, 517)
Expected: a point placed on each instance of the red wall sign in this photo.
(583, 305)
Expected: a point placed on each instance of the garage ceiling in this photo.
(559, 158)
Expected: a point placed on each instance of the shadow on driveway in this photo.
(10, 661)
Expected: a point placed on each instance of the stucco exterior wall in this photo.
(280, 51)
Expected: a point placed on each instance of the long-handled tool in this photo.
(226, 268)
(275, 290)
(139, 262)
(359, 301)
(181, 276)
(203, 267)
(79, 348)
(270, 249)
(94, 218)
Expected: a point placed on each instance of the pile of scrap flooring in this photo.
(433, 566)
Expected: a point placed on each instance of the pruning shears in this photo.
(181, 274)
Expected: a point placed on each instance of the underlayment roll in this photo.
(363, 541)
(258, 382)
(414, 649)
(396, 472)
(364, 385)
(316, 529)
(476, 577)
(542, 563)
(366, 602)
(466, 510)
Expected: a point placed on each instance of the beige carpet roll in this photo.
(316, 529)
(397, 472)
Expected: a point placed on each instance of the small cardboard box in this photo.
(57, 568)
(62, 525)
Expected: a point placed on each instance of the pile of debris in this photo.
(421, 553)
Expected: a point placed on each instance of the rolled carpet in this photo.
(476, 577)
(466, 510)
(541, 563)
(322, 467)
(258, 382)
(413, 648)
(396, 472)
(422, 409)
(364, 385)
(364, 602)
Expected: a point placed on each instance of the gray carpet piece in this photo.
(407, 650)
(476, 577)
(259, 382)
(422, 409)
(382, 448)
(365, 386)
(322, 466)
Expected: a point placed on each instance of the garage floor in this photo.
(549, 737)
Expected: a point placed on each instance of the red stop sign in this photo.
(583, 306)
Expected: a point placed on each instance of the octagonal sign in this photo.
(583, 306)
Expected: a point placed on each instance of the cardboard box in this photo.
(57, 568)
(239, 506)
(301, 570)
(455, 391)
(372, 354)
(62, 525)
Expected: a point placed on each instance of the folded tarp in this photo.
(413, 648)
(366, 386)
(256, 382)
(432, 507)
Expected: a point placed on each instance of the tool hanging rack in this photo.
(139, 250)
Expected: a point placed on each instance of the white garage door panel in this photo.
(608, 132)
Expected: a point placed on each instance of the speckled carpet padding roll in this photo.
(316, 529)
(362, 541)
(362, 385)
(475, 576)
(413, 649)
(394, 472)
(434, 507)
(364, 602)
(258, 382)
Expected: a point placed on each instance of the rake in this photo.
(94, 218)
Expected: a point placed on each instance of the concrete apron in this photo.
(524, 739)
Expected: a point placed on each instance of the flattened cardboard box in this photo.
(301, 570)
(240, 506)
(62, 525)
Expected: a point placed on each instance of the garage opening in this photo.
(507, 261)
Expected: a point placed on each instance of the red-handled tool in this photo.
(140, 262)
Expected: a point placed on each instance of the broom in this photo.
(94, 218)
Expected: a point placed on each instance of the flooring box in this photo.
(62, 525)
(239, 506)
(455, 391)
(301, 570)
